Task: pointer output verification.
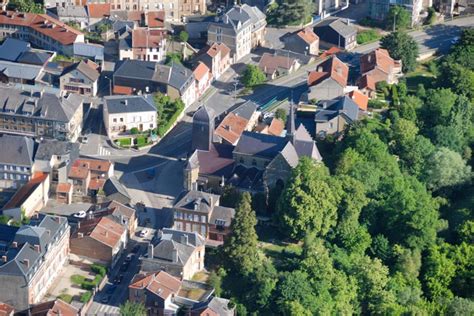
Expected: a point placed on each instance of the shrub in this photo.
(77, 279)
(88, 285)
(65, 297)
(376, 104)
(86, 296)
(183, 36)
(134, 131)
(99, 269)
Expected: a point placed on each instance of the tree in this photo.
(399, 17)
(183, 36)
(460, 307)
(280, 114)
(458, 78)
(402, 46)
(241, 245)
(431, 18)
(252, 76)
(439, 271)
(437, 107)
(132, 309)
(446, 168)
(294, 287)
(175, 58)
(230, 196)
(308, 202)
(26, 6)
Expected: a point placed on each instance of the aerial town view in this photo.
(232, 158)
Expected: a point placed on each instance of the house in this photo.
(40, 114)
(337, 32)
(360, 99)
(136, 76)
(197, 211)
(116, 191)
(375, 67)
(99, 239)
(123, 113)
(55, 157)
(16, 163)
(217, 58)
(275, 66)
(156, 291)
(215, 306)
(304, 41)
(122, 214)
(97, 12)
(192, 8)
(32, 257)
(276, 127)
(248, 111)
(143, 44)
(155, 19)
(30, 198)
(70, 14)
(64, 193)
(203, 77)
(176, 252)
(324, 7)
(81, 78)
(328, 81)
(242, 28)
(378, 9)
(333, 116)
(49, 308)
(231, 128)
(6, 310)
(89, 51)
(88, 176)
(40, 30)
(256, 163)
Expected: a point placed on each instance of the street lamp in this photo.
(110, 84)
(235, 90)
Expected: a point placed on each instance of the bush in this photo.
(99, 269)
(86, 296)
(77, 279)
(88, 285)
(141, 141)
(183, 36)
(376, 104)
(367, 36)
(134, 131)
(65, 297)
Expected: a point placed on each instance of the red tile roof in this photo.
(122, 90)
(200, 71)
(108, 232)
(25, 191)
(378, 58)
(160, 283)
(216, 48)
(43, 24)
(64, 188)
(156, 19)
(134, 16)
(366, 82)
(332, 51)
(145, 38)
(98, 10)
(360, 99)
(308, 35)
(270, 63)
(96, 184)
(93, 164)
(231, 128)
(330, 68)
(6, 310)
(78, 172)
(276, 127)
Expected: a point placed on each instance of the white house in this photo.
(122, 113)
(81, 78)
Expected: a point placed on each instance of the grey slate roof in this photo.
(22, 71)
(90, 50)
(19, 152)
(180, 77)
(290, 155)
(339, 26)
(262, 145)
(222, 216)
(24, 260)
(196, 200)
(85, 69)
(12, 48)
(246, 110)
(257, 17)
(48, 148)
(33, 58)
(47, 105)
(72, 11)
(113, 185)
(332, 108)
(126, 104)
(137, 69)
(305, 145)
(175, 240)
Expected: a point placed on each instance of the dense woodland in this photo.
(384, 226)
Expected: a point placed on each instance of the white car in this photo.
(143, 233)
(80, 214)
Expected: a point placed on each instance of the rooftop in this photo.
(128, 104)
(231, 127)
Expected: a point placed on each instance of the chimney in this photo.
(150, 251)
(174, 255)
(26, 262)
(4, 259)
(80, 235)
(14, 244)
(348, 22)
(126, 102)
(37, 248)
(185, 239)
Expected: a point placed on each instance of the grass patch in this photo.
(281, 254)
(200, 277)
(86, 296)
(368, 36)
(168, 112)
(77, 279)
(65, 297)
(192, 293)
(124, 142)
(423, 74)
(141, 141)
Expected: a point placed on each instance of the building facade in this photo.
(16, 162)
(81, 78)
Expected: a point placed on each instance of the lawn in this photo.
(141, 141)
(201, 277)
(65, 297)
(368, 36)
(422, 74)
(124, 142)
(274, 247)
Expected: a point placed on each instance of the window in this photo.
(121, 119)
(115, 120)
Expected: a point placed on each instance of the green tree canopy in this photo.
(402, 46)
(183, 36)
(132, 309)
(252, 76)
(398, 16)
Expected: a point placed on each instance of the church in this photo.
(256, 163)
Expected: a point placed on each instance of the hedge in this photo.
(65, 297)
(99, 269)
(86, 296)
(77, 279)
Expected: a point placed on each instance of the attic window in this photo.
(220, 222)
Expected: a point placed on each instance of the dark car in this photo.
(118, 279)
(105, 299)
(124, 266)
(136, 249)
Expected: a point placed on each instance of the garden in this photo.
(168, 112)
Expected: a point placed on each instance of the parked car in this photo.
(80, 214)
(105, 299)
(85, 140)
(136, 249)
(143, 233)
(129, 257)
(124, 266)
(118, 279)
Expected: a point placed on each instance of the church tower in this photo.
(203, 129)
(290, 125)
